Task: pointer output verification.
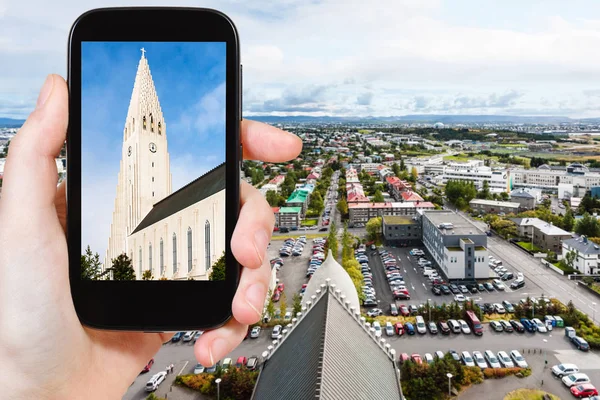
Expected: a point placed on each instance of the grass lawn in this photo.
(459, 158)
(310, 222)
(566, 269)
(528, 394)
(528, 246)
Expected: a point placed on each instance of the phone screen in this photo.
(153, 160)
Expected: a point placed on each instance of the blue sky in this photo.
(387, 57)
(190, 82)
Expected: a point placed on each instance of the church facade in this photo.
(174, 235)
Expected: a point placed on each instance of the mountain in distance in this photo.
(11, 122)
(426, 118)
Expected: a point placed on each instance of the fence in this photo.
(553, 267)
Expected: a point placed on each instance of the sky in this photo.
(359, 58)
(190, 83)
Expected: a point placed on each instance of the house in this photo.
(288, 216)
(587, 254)
(362, 212)
(494, 207)
(545, 235)
(401, 230)
(410, 196)
(526, 199)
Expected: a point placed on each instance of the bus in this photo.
(474, 322)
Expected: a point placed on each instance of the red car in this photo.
(149, 365)
(399, 328)
(584, 390)
(404, 310)
(241, 361)
(280, 287)
(416, 358)
(403, 357)
(276, 295)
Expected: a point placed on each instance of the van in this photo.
(420, 322)
(454, 326)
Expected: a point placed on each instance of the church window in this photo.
(152, 164)
(133, 124)
(151, 123)
(207, 244)
(152, 194)
(140, 262)
(174, 253)
(144, 123)
(159, 128)
(152, 179)
(150, 257)
(162, 258)
(189, 245)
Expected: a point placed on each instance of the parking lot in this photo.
(420, 287)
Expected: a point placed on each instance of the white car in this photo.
(561, 370)
(188, 336)
(276, 331)
(377, 327)
(467, 359)
(499, 308)
(420, 323)
(520, 276)
(460, 298)
(428, 358)
(518, 359)
(499, 285)
(479, 360)
(575, 379)
(505, 360)
(389, 329)
(540, 325)
(464, 327)
(155, 381)
(492, 359)
(198, 369)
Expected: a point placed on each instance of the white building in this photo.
(458, 247)
(575, 178)
(587, 254)
(474, 172)
(174, 235)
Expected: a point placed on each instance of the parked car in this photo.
(177, 337)
(432, 327)
(454, 355)
(518, 359)
(393, 309)
(488, 286)
(540, 325)
(517, 326)
(580, 343)
(517, 284)
(399, 328)
(505, 360)
(374, 312)
(241, 361)
(255, 332)
(420, 323)
(464, 327)
(252, 363)
(561, 370)
(508, 306)
(188, 336)
(496, 326)
(454, 325)
(444, 328)
(409, 328)
(155, 381)
(575, 379)
(199, 368)
(404, 310)
(428, 358)
(491, 359)
(506, 326)
(416, 358)
(439, 355)
(403, 357)
(479, 360)
(585, 390)
(467, 359)
(148, 366)
(528, 325)
(276, 331)
(499, 308)
(389, 329)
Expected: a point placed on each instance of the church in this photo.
(178, 235)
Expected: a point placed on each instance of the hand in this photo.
(45, 352)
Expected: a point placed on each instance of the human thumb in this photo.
(30, 174)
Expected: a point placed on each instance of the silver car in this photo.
(479, 360)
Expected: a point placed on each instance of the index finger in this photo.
(267, 143)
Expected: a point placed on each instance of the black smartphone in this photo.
(154, 154)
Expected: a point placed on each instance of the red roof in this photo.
(277, 180)
(411, 196)
(275, 210)
(408, 204)
(392, 180)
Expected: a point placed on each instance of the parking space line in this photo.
(182, 368)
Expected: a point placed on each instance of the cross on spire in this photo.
(143, 51)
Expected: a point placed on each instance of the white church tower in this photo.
(145, 176)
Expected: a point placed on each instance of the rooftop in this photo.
(290, 210)
(398, 220)
(406, 204)
(461, 226)
(582, 245)
(495, 203)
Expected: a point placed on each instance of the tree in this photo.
(316, 201)
(347, 251)
(484, 193)
(282, 304)
(342, 207)
(5, 152)
(91, 267)
(570, 258)
(504, 196)
(396, 169)
(414, 174)
(568, 221)
(270, 309)
(147, 275)
(402, 166)
(297, 304)
(272, 198)
(332, 243)
(460, 193)
(218, 269)
(588, 226)
(378, 197)
(121, 269)
(374, 228)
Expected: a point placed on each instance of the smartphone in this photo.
(154, 155)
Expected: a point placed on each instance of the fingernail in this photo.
(255, 297)
(220, 348)
(45, 91)
(261, 240)
(212, 360)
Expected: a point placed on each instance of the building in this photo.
(577, 178)
(401, 230)
(396, 186)
(497, 180)
(173, 235)
(355, 193)
(268, 187)
(288, 217)
(351, 175)
(278, 180)
(526, 198)
(299, 198)
(329, 352)
(587, 254)
(410, 196)
(494, 207)
(457, 246)
(549, 237)
(361, 213)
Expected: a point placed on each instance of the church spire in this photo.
(144, 99)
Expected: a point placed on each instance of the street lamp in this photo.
(449, 375)
(429, 308)
(218, 380)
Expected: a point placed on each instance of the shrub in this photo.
(473, 375)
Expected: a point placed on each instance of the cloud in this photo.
(491, 101)
(364, 99)
(204, 118)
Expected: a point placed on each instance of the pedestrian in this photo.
(172, 366)
(168, 368)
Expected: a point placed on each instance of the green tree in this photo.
(297, 304)
(402, 166)
(147, 275)
(484, 193)
(460, 193)
(414, 174)
(272, 198)
(396, 169)
(282, 304)
(91, 267)
(378, 197)
(316, 201)
(270, 309)
(570, 258)
(121, 269)
(373, 228)
(568, 221)
(588, 226)
(342, 206)
(332, 243)
(5, 152)
(218, 269)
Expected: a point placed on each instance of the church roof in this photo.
(208, 184)
(144, 98)
(330, 353)
(331, 269)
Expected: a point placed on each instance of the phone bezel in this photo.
(153, 306)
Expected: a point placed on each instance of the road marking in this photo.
(413, 288)
(405, 270)
(184, 365)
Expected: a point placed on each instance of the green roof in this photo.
(290, 210)
(453, 248)
(298, 196)
(398, 220)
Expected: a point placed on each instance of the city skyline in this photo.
(434, 57)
